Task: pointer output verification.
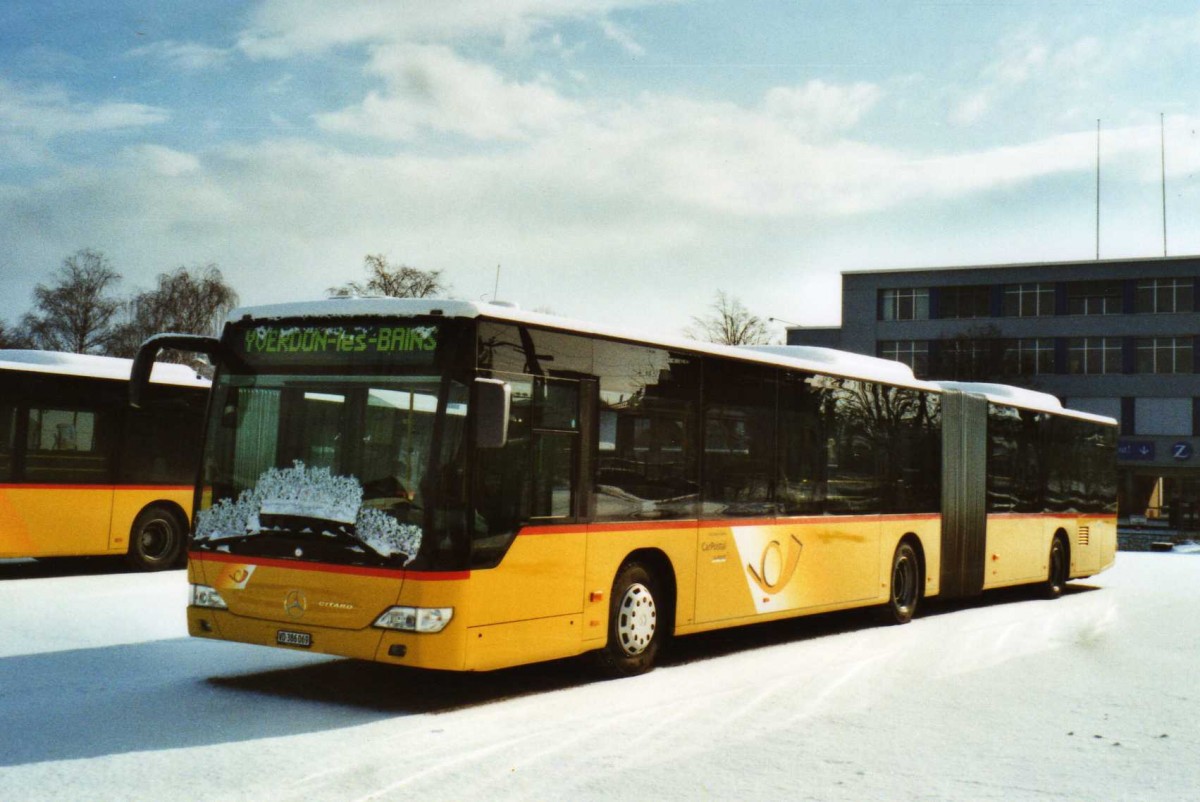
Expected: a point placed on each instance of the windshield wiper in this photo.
(306, 535)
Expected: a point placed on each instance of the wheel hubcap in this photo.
(637, 619)
(154, 540)
(904, 583)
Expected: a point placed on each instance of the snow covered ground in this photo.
(1090, 697)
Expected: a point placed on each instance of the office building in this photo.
(1113, 337)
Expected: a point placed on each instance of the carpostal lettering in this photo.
(329, 340)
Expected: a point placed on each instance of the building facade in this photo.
(1114, 337)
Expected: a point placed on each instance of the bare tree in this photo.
(396, 281)
(184, 302)
(729, 323)
(76, 313)
(14, 336)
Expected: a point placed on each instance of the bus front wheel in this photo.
(635, 631)
(906, 585)
(155, 540)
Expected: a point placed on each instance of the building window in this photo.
(964, 302)
(914, 353)
(1028, 300)
(1164, 416)
(1094, 298)
(1164, 355)
(1029, 356)
(1165, 295)
(968, 359)
(1094, 355)
(904, 304)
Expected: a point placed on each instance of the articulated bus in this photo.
(467, 486)
(83, 475)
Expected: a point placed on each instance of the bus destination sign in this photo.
(321, 342)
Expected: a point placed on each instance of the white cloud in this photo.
(160, 160)
(1028, 69)
(622, 37)
(972, 108)
(820, 107)
(432, 88)
(185, 56)
(661, 193)
(48, 112)
(286, 28)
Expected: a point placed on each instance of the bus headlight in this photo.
(415, 619)
(204, 596)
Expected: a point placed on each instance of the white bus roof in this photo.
(96, 367)
(816, 360)
(1021, 397)
(812, 359)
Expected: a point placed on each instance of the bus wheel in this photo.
(156, 540)
(634, 631)
(906, 585)
(1060, 566)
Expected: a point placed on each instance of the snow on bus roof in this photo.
(1021, 397)
(843, 363)
(97, 367)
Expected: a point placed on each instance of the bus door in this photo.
(535, 485)
(746, 562)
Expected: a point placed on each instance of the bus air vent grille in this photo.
(1085, 535)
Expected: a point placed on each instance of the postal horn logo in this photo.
(775, 569)
(295, 603)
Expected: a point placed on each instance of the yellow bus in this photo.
(83, 475)
(465, 486)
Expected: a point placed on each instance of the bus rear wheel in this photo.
(155, 540)
(1060, 566)
(906, 585)
(635, 632)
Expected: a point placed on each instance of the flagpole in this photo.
(1162, 144)
(1097, 190)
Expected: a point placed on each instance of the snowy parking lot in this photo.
(1089, 697)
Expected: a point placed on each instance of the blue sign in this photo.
(1181, 451)
(1135, 450)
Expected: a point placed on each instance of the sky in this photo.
(616, 161)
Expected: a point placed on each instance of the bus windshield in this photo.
(349, 469)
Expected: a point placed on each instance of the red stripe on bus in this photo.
(356, 570)
(172, 488)
(1062, 516)
(650, 526)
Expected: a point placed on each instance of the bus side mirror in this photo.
(493, 402)
(143, 363)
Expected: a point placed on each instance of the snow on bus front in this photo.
(303, 529)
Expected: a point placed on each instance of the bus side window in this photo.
(739, 439)
(648, 459)
(856, 420)
(803, 448)
(152, 450)
(66, 445)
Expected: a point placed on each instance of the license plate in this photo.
(286, 638)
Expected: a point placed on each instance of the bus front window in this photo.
(347, 469)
